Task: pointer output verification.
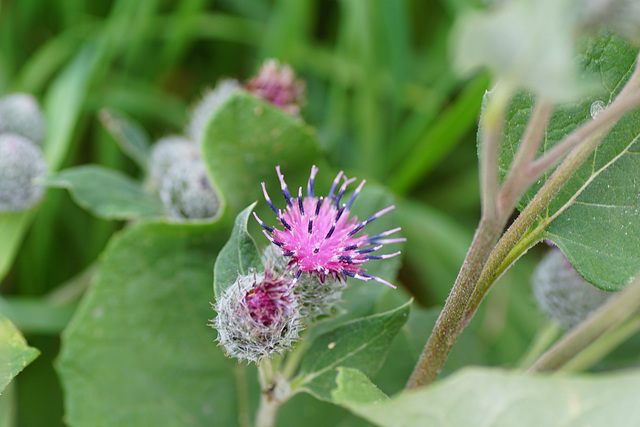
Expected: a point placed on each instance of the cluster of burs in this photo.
(22, 164)
(176, 170)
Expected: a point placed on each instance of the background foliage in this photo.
(382, 104)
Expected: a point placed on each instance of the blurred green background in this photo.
(380, 92)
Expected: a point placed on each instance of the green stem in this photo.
(267, 411)
(617, 310)
(602, 346)
(293, 360)
(447, 328)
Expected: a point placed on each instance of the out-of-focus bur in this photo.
(561, 293)
(21, 164)
(258, 316)
(20, 114)
(204, 110)
(178, 174)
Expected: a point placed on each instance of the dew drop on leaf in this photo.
(597, 108)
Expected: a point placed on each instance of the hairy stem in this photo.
(602, 346)
(516, 181)
(447, 327)
(613, 313)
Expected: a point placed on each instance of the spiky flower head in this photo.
(278, 84)
(561, 293)
(165, 153)
(207, 107)
(258, 316)
(21, 163)
(186, 192)
(315, 297)
(320, 238)
(20, 114)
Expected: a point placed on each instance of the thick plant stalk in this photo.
(483, 261)
(447, 326)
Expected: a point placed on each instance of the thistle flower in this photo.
(278, 84)
(258, 316)
(561, 293)
(20, 114)
(21, 162)
(319, 236)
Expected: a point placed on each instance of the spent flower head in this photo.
(278, 84)
(320, 238)
(258, 316)
(21, 163)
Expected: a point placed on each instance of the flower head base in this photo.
(278, 84)
(320, 237)
(316, 298)
(258, 316)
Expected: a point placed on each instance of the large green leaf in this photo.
(244, 142)
(138, 350)
(107, 193)
(598, 226)
(362, 343)
(15, 354)
(485, 397)
(238, 256)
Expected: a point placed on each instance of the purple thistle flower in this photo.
(270, 300)
(278, 84)
(320, 237)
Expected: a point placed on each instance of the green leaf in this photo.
(138, 351)
(107, 193)
(362, 343)
(238, 256)
(487, 397)
(129, 135)
(354, 386)
(15, 354)
(244, 142)
(597, 224)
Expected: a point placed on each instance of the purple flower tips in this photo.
(320, 237)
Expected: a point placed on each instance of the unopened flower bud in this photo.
(316, 297)
(561, 293)
(20, 114)
(186, 192)
(207, 107)
(258, 316)
(167, 152)
(21, 162)
(278, 84)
